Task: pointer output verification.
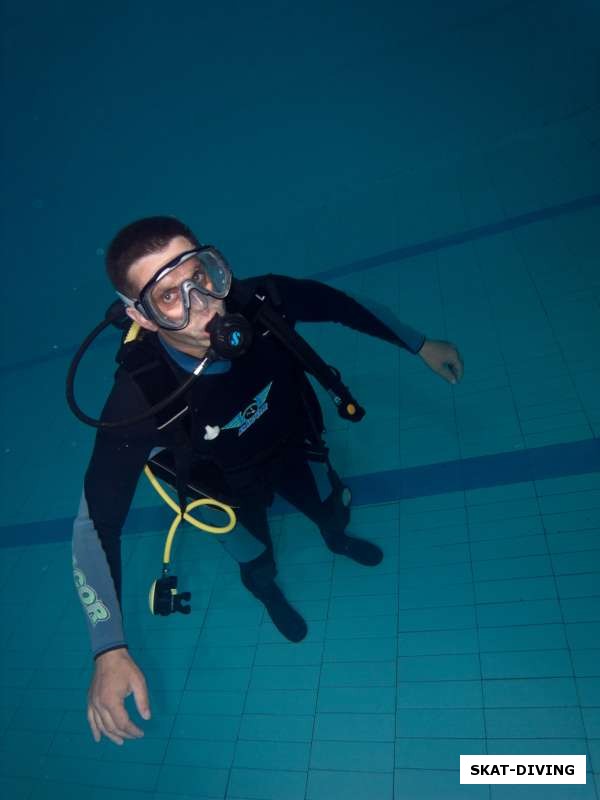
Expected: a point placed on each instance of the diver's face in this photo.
(142, 270)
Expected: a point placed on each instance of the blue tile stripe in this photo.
(499, 469)
(455, 239)
(552, 461)
(400, 254)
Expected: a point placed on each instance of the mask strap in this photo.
(127, 300)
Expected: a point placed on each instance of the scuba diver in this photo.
(211, 391)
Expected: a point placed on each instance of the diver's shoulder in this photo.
(124, 391)
(255, 281)
(126, 401)
(280, 288)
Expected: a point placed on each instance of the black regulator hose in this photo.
(114, 313)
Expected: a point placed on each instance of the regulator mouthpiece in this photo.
(230, 335)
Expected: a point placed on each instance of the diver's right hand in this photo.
(116, 677)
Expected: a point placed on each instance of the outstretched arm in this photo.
(313, 301)
(442, 357)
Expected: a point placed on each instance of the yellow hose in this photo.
(203, 526)
(132, 333)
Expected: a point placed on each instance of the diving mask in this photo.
(167, 297)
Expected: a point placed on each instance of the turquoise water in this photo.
(443, 161)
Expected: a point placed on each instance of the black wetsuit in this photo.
(253, 402)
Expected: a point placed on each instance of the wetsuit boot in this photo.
(359, 550)
(258, 576)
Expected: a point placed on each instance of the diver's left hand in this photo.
(443, 358)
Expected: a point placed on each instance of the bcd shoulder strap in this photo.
(148, 366)
(268, 312)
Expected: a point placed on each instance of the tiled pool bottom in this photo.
(479, 633)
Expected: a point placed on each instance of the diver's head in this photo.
(168, 281)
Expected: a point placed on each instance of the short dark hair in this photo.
(138, 239)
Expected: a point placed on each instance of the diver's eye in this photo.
(202, 279)
(167, 297)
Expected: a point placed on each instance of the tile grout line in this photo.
(318, 689)
(470, 561)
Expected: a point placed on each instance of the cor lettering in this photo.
(93, 607)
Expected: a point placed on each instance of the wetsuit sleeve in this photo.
(313, 301)
(117, 461)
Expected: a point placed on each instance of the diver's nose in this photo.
(198, 299)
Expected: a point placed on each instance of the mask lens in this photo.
(198, 276)
(216, 271)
